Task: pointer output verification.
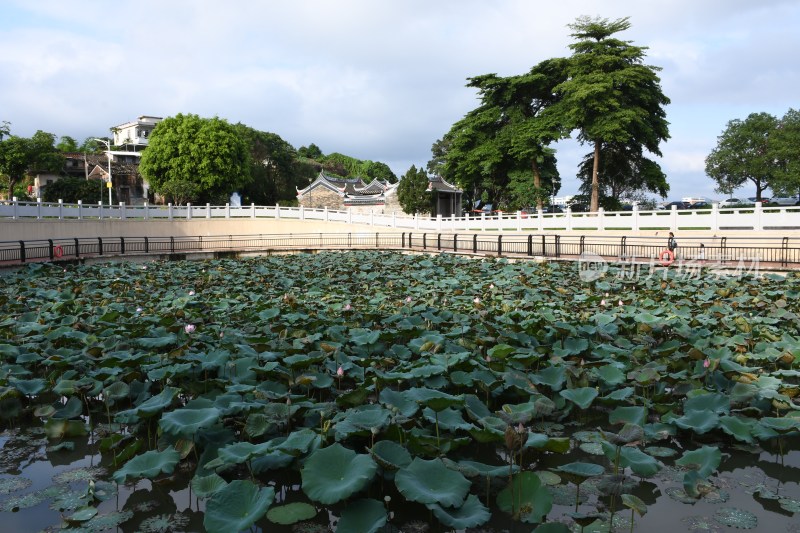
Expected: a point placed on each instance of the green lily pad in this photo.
(531, 500)
(738, 518)
(390, 455)
(291, 513)
(237, 506)
(582, 397)
(705, 460)
(187, 422)
(205, 486)
(365, 516)
(148, 465)
(471, 514)
(430, 481)
(332, 474)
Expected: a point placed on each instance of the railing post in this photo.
(544, 245)
(635, 215)
(227, 210)
(50, 248)
(483, 221)
(601, 215)
(499, 245)
(188, 211)
(172, 245)
(424, 239)
(122, 245)
(758, 212)
(60, 209)
(438, 241)
(583, 238)
(208, 210)
(403, 240)
(100, 246)
(16, 207)
(673, 218)
(530, 244)
(409, 239)
(519, 220)
(455, 242)
(438, 222)
(146, 246)
(622, 248)
(169, 211)
(122, 213)
(39, 208)
(80, 209)
(146, 214)
(77, 248)
(558, 245)
(100, 210)
(326, 214)
(252, 210)
(302, 213)
(277, 210)
(377, 235)
(569, 218)
(21, 248)
(475, 243)
(715, 216)
(349, 240)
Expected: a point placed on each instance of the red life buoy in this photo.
(667, 257)
(58, 251)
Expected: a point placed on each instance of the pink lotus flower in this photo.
(491, 285)
(620, 303)
(476, 300)
(347, 307)
(602, 302)
(706, 363)
(191, 293)
(408, 299)
(138, 309)
(339, 372)
(189, 328)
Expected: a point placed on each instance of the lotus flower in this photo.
(138, 309)
(706, 363)
(476, 301)
(189, 328)
(491, 286)
(339, 372)
(347, 307)
(620, 303)
(408, 299)
(191, 293)
(602, 302)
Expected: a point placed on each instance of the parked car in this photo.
(700, 205)
(579, 208)
(731, 202)
(753, 200)
(784, 200)
(677, 204)
(485, 209)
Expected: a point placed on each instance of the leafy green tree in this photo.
(67, 144)
(5, 129)
(274, 175)
(412, 192)
(20, 156)
(743, 153)
(71, 189)
(785, 148)
(505, 136)
(311, 151)
(609, 95)
(379, 171)
(208, 152)
(626, 173)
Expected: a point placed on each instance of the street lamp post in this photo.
(108, 145)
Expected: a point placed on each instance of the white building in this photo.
(135, 134)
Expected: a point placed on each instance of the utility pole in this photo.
(109, 184)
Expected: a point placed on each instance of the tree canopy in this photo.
(624, 172)
(609, 95)
(71, 189)
(412, 192)
(20, 156)
(275, 177)
(208, 152)
(744, 152)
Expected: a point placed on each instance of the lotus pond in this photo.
(368, 391)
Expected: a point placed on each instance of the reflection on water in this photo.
(40, 489)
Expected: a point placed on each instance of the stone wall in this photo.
(321, 197)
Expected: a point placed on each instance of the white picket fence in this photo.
(750, 218)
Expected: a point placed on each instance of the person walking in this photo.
(672, 244)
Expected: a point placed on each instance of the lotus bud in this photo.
(408, 299)
(191, 293)
(340, 372)
(189, 328)
(602, 302)
(706, 363)
(347, 307)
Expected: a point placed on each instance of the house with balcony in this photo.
(134, 135)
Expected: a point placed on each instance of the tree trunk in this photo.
(537, 183)
(595, 179)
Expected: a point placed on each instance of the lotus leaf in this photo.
(740, 428)
(187, 422)
(552, 376)
(291, 513)
(634, 503)
(471, 514)
(58, 429)
(447, 419)
(362, 516)
(531, 501)
(334, 473)
(628, 414)
(438, 401)
(390, 455)
(299, 442)
(149, 465)
(582, 397)
(237, 506)
(430, 481)
(705, 460)
(205, 486)
(701, 421)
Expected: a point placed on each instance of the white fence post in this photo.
(326, 214)
(758, 224)
(519, 220)
(601, 218)
(16, 207)
(715, 216)
(38, 208)
(227, 210)
(483, 221)
(122, 210)
(208, 210)
(146, 214)
(169, 211)
(80, 209)
(100, 210)
(277, 211)
(635, 215)
(60, 209)
(438, 222)
(569, 218)
(188, 211)
(302, 213)
(252, 210)
(673, 218)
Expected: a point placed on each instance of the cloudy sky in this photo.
(379, 80)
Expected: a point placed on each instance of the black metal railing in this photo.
(780, 251)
